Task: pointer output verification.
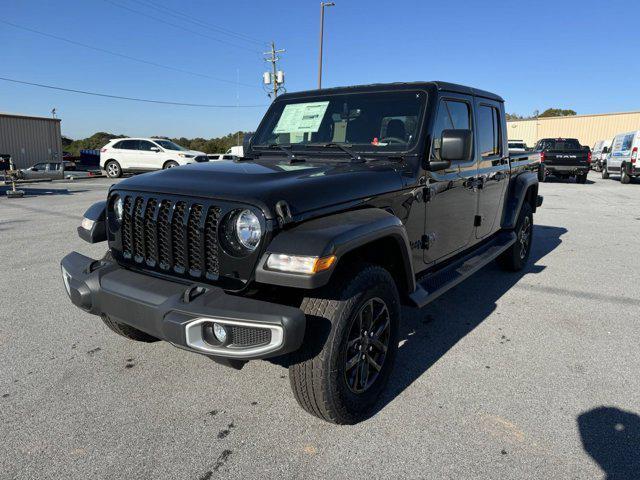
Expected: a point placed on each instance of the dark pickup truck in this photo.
(563, 158)
(348, 203)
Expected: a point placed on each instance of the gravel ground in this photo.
(529, 375)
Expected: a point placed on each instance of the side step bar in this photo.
(434, 284)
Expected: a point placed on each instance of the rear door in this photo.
(493, 165)
(128, 154)
(452, 205)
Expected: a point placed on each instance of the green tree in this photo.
(557, 112)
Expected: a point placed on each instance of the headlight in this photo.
(185, 155)
(299, 264)
(118, 208)
(248, 230)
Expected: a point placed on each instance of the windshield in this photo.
(169, 145)
(371, 121)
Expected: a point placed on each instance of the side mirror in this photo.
(605, 150)
(455, 146)
(154, 149)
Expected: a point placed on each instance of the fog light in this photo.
(220, 332)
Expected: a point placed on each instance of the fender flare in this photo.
(336, 234)
(98, 231)
(518, 189)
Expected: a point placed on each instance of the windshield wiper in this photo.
(286, 148)
(344, 147)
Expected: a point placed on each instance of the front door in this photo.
(452, 194)
(493, 166)
(148, 159)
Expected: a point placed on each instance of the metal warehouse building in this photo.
(588, 129)
(29, 139)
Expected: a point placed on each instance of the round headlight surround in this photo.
(241, 232)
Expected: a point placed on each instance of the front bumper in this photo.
(180, 313)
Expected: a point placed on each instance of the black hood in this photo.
(305, 186)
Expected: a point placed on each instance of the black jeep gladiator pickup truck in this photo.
(348, 203)
(564, 158)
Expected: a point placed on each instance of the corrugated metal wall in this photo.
(30, 140)
(588, 129)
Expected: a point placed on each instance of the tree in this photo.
(557, 112)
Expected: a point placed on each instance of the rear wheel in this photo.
(605, 172)
(349, 347)
(582, 178)
(624, 175)
(113, 169)
(517, 255)
(541, 175)
(170, 164)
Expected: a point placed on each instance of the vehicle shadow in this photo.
(37, 192)
(427, 334)
(612, 438)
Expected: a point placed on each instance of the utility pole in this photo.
(322, 5)
(53, 114)
(275, 78)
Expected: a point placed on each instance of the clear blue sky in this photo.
(579, 54)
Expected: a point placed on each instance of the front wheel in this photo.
(170, 164)
(516, 256)
(349, 347)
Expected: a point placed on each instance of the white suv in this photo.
(144, 154)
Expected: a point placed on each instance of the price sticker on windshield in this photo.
(301, 117)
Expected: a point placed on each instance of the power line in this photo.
(195, 32)
(133, 99)
(122, 55)
(197, 21)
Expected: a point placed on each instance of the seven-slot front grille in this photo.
(176, 236)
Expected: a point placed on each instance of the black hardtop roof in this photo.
(437, 85)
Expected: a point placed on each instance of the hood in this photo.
(304, 186)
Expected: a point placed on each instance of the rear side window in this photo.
(489, 133)
(127, 145)
(627, 142)
(452, 114)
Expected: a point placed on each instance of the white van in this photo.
(144, 154)
(598, 153)
(623, 158)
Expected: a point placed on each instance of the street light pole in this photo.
(322, 5)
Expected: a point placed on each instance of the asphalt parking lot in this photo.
(529, 375)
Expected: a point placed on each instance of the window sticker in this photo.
(301, 117)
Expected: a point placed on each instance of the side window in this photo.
(145, 145)
(54, 166)
(628, 141)
(489, 133)
(451, 115)
(128, 144)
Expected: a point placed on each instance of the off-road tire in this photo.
(317, 371)
(512, 259)
(170, 164)
(605, 172)
(624, 175)
(127, 331)
(113, 169)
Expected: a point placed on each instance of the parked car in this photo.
(517, 146)
(564, 158)
(123, 155)
(50, 171)
(236, 150)
(221, 156)
(598, 152)
(623, 158)
(340, 212)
